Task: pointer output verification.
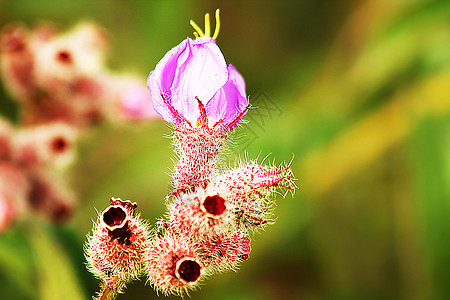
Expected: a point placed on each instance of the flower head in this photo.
(197, 214)
(249, 188)
(223, 249)
(193, 85)
(172, 265)
(115, 249)
(44, 146)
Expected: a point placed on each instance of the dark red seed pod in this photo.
(172, 266)
(195, 213)
(115, 250)
(214, 205)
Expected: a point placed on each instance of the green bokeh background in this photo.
(358, 92)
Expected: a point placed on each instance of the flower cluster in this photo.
(63, 87)
(31, 161)
(62, 77)
(211, 213)
(117, 244)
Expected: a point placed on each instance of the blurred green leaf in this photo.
(16, 265)
(56, 276)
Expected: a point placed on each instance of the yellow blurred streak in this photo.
(367, 54)
(56, 277)
(370, 137)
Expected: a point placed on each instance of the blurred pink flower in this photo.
(6, 213)
(134, 101)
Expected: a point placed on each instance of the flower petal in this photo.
(229, 101)
(202, 74)
(236, 78)
(160, 81)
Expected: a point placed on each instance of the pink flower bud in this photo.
(193, 88)
(195, 70)
(115, 249)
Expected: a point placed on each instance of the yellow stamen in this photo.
(196, 28)
(207, 25)
(198, 31)
(216, 30)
